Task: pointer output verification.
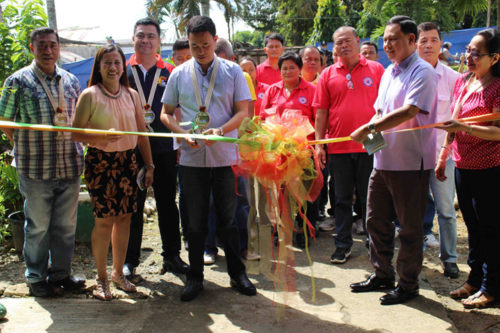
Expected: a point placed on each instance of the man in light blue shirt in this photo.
(399, 183)
(205, 166)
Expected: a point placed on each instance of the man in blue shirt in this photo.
(208, 87)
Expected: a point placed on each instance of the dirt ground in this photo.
(155, 286)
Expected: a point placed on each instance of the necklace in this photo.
(109, 94)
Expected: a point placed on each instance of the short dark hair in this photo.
(408, 26)
(275, 36)
(290, 55)
(369, 42)
(148, 21)
(200, 24)
(428, 26)
(180, 44)
(492, 38)
(307, 47)
(42, 31)
(247, 58)
(446, 45)
(96, 77)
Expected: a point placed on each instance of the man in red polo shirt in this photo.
(344, 100)
(268, 72)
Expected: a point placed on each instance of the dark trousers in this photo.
(197, 185)
(402, 194)
(350, 171)
(240, 220)
(165, 187)
(482, 218)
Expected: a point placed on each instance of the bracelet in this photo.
(469, 130)
(446, 147)
(221, 131)
(149, 166)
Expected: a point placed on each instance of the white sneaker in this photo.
(208, 258)
(327, 225)
(397, 230)
(358, 227)
(431, 241)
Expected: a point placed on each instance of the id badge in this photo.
(374, 142)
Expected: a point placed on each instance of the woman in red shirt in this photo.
(292, 93)
(476, 152)
(249, 66)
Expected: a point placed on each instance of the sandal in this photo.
(122, 283)
(102, 290)
(464, 291)
(479, 300)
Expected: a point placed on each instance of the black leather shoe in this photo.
(398, 296)
(372, 283)
(451, 270)
(70, 283)
(192, 289)
(243, 285)
(175, 265)
(41, 289)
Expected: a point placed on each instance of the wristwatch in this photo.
(371, 128)
(221, 131)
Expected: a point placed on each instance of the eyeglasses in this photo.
(474, 55)
(350, 85)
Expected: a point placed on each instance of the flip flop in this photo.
(476, 302)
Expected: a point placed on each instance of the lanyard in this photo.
(146, 105)
(211, 86)
(58, 107)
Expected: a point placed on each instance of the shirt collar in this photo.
(302, 84)
(341, 64)
(198, 66)
(398, 69)
(439, 69)
(38, 70)
(133, 61)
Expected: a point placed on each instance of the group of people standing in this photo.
(355, 97)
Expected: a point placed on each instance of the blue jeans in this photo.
(481, 216)
(350, 171)
(49, 230)
(443, 195)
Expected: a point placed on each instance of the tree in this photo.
(328, 18)
(296, 20)
(261, 14)
(51, 12)
(18, 21)
(256, 38)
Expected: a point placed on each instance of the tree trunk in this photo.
(51, 13)
(205, 7)
(498, 15)
(489, 14)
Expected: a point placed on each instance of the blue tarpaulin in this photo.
(458, 38)
(82, 69)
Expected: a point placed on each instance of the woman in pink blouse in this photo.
(476, 152)
(110, 167)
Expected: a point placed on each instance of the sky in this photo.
(116, 18)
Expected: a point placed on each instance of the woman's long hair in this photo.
(96, 77)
